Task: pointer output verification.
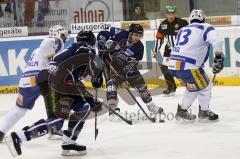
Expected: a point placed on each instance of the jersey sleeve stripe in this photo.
(206, 32)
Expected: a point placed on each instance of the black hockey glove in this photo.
(218, 63)
(96, 106)
(97, 81)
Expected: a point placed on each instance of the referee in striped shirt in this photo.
(168, 30)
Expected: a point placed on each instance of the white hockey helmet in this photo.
(57, 31)
(197, 14)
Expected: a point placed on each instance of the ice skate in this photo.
(184, 114)
(207, 115)
(153, 108)
(14, 144)
(1, 136)
(73, 149)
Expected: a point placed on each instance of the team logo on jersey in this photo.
(164, 26)
(176, 26)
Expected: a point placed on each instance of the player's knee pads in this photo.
(144, 93)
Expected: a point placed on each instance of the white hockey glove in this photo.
(109, 44)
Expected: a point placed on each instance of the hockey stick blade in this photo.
(121, 117)
(144, 112)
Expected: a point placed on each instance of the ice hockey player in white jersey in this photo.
(187, 61)
(29, 91)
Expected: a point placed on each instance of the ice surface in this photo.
(146, 140)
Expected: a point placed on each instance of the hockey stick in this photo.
(213, 80)
(144, 112)
(114, 112)
(96, 129)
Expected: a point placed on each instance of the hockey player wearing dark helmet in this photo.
(87, 36)
(135, 33)
(123, 49)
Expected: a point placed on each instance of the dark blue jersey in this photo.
(120, 37)
(75, 49)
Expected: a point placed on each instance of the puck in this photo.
(161, 121)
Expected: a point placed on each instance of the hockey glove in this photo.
(96, 106)
(97, 81)
(218, 63)
(109, 45)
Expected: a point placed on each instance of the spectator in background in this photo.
(29, 12)
(168, 30)
(1, 11)
(138, 13)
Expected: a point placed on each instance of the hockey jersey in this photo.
(120, 37)
(40, 57)
(72, 50)
(192, 46)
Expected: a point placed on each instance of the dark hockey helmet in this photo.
(87, 36)
(136, 28)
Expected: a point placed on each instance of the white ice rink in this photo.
(146, 140)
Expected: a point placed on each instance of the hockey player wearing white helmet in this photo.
(29, 91)
(187, 61)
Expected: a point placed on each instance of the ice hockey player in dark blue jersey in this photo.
(122, 50)
(68, 105)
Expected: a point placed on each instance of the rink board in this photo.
(15, 52)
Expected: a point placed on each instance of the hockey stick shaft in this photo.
(120, 116)
(144, 112)
(214, 77)
(114, 112)
(96, 129)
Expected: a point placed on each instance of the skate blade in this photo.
(200, 120)
(169, 95)
(183, 120)
(73, 153)
(10, 145)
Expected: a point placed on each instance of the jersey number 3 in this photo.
(183, 37)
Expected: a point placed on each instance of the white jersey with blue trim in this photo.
(40, 57)
(192, 46)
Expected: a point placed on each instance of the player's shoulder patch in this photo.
(164, 26)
